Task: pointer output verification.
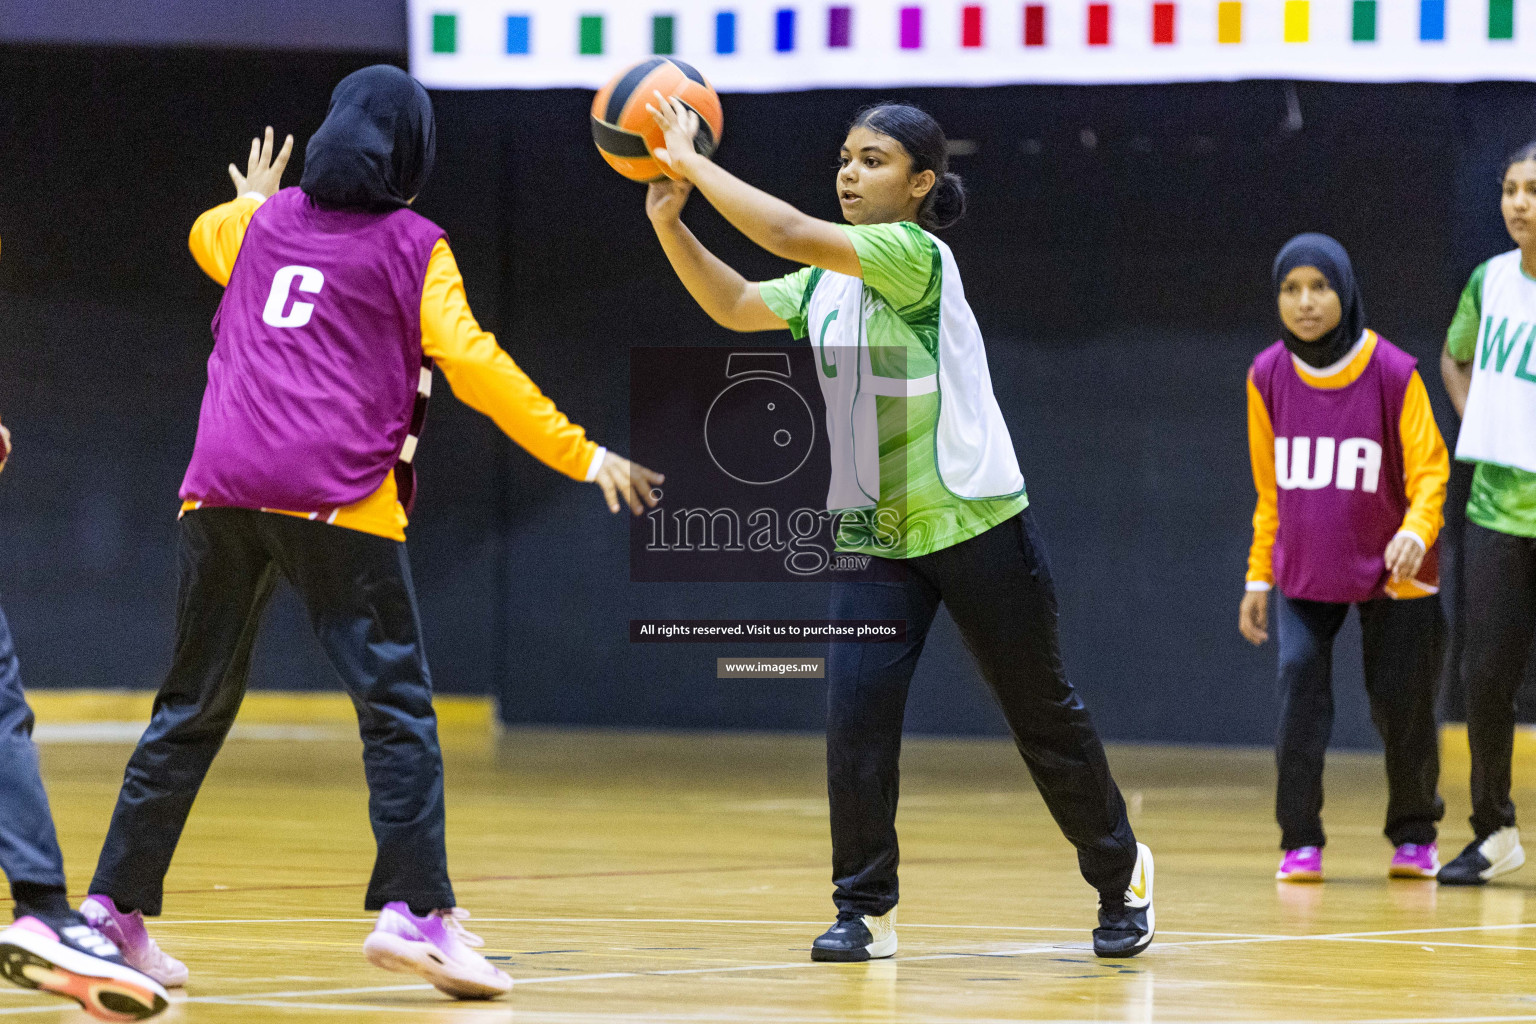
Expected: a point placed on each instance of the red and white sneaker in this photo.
(132, 939)
(69, 958)
(437, 947)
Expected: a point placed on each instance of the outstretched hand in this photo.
(665, 199)
(618, 476)
(679, 127)
(263, 171)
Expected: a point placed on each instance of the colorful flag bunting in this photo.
(839, 27)
(1229, 22)
(518, 34)
(1098, 24)
(1034, 24)
(1363, 24)
(1432, 21)
(517, 43)
(590, 37)
(784, 29)
(1298, 21)
(970, 26)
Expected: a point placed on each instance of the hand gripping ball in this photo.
(623, 129)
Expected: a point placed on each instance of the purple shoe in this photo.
(1302, 865)
(128, 933)
(1413, 860)
(437, 947)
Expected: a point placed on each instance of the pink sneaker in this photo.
(437, 947)
(70, 958)
(1413, 860)
(1303, 865)
(128, 933)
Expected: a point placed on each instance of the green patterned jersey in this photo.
(903, 279)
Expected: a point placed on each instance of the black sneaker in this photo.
(65, 956)
(1485, 859)
(1126, 921)
(851, 939)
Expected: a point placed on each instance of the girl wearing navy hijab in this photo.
(338, 302)
(1351, 472)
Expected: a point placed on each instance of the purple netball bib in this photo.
(317, 358)
(1339, 473)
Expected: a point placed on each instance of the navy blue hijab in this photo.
(1327, 255)
(377, 144)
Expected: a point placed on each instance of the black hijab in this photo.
(1328, 256)
(377, 144)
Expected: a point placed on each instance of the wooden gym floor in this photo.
(680, 878)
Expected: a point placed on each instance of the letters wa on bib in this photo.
(1339, 469)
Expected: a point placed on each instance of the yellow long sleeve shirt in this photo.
(479, 371)
(1426, 467)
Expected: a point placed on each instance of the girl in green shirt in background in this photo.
(923, 476)
(1490, 376)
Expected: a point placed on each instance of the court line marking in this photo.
(365, 990)
(684, 920)
(1447, 945)
(273, 1004)
(501, 1010)
(1355, 936)
(297, 999)
(713, 1016)
(288, 999)
(1214, 937)
(1007, 952)
(928, 958)
(663, 1017)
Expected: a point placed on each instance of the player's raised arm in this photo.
(217, 234)
(730, 300)
(770, 222)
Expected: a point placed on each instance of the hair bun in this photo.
(945, 204)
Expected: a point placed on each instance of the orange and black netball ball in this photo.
(624, 130)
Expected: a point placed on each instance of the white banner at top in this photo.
(770, 45)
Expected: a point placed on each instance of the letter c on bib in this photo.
(309, 280)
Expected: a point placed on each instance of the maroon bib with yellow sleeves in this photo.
(1339, 475)
(317, 382)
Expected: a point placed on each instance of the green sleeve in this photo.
(1461, 338)
(900, 262)
(787, 298)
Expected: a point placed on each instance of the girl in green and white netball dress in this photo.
(924, 475)
(1489, 368)
(914, 474)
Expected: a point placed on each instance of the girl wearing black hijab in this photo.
(1351, 471)
(338, 302)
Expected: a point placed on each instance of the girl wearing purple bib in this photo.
(338, 302)
(1351, 473)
